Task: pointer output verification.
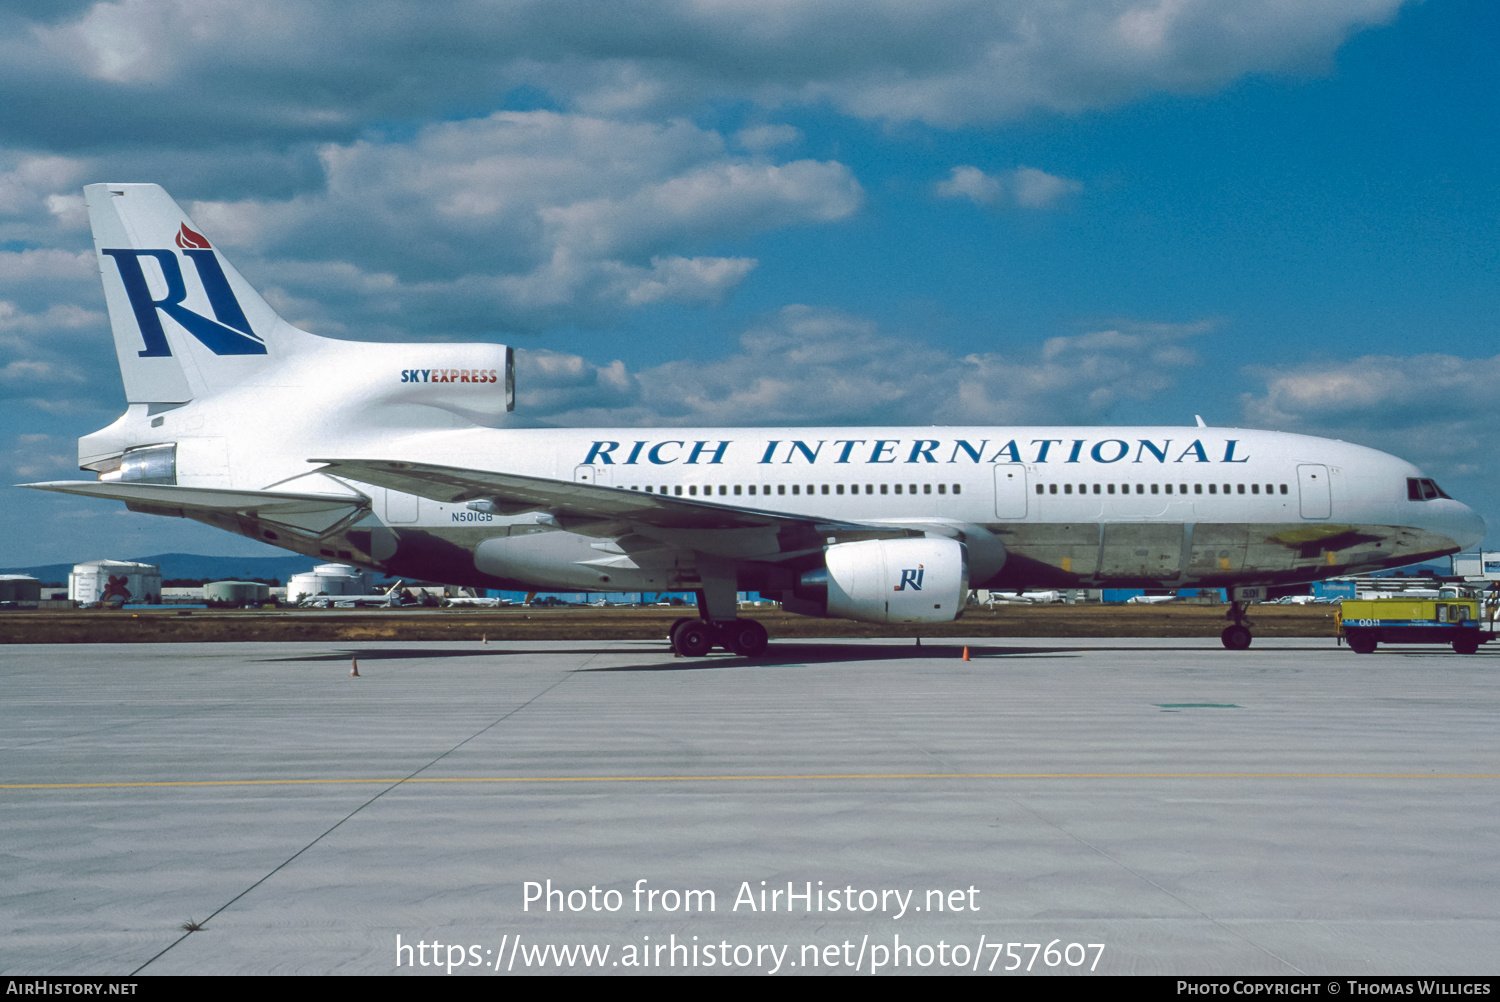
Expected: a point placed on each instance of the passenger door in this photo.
(1010, 490)
(1315, 491)
(591, 475)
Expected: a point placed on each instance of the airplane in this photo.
(392, 598)
(473, 602)
(409, 459)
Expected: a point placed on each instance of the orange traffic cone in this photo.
(484, 639)
(354, 668)
(966, 653)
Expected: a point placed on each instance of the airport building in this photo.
(121, 582)
(1482, 566)
(20, 588)
(329, 579)
(239, 593)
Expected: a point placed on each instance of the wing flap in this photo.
(589, 509)
(565, 500)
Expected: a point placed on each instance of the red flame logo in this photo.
(187, 238)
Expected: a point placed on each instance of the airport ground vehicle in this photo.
(1366, 623)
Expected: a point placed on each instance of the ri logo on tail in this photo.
(228, 333)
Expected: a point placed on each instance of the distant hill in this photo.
(189, 565)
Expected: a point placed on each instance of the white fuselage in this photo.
(1067, 506)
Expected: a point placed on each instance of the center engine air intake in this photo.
(474, 379)
(892, 580)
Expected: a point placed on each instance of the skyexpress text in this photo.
(861, 451)
(450, 375)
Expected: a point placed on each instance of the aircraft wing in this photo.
(589, 509)
(317, 514)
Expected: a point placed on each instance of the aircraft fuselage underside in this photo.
(1041, 555)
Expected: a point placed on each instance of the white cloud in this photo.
(973, 184)
(682, 279)
(1437, 411)
(70, 210)
(522, 219)
(16, 324)
(30, 371)
(1036, 189)
(1433, 409)
(38, 197)
(290, 70)
(1025, 186)
(714, 199)
(984, 62)
(762, 138)
(47, 263)
(811, 366)
(1379, 390)
(123, 42)
(60, 353)
(24, 187)
(33, 456)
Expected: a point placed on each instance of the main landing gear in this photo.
(717, 624)
(693, 638)
(1236, 636)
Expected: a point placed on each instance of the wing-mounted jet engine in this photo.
(890, 581)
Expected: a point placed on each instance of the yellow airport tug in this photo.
(1367, 622)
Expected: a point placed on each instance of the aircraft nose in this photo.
(1469, 528)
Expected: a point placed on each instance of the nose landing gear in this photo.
(1236, 636)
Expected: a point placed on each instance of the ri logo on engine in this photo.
(911, 577)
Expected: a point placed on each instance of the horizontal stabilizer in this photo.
(311, 513)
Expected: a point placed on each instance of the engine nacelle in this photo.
(475, 380)
(892, 580)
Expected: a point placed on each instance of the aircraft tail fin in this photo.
(186, 324)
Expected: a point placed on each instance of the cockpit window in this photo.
(1424, 489)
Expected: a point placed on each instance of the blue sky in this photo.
(1275, 215)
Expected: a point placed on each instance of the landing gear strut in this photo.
(1236, 636)
(717, 625)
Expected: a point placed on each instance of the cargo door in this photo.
(1220, 551)
(401, 509)
(1315, 491)
(1010, 490)
(1072, 549)
(1142, 551)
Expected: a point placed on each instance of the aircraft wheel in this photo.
(746, 637)
(1468, 645)
(672, 630)
(1236, 637)
(1361, 644)
(692, 638)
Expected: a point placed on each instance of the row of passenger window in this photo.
(1157, 488)
(725, 490)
